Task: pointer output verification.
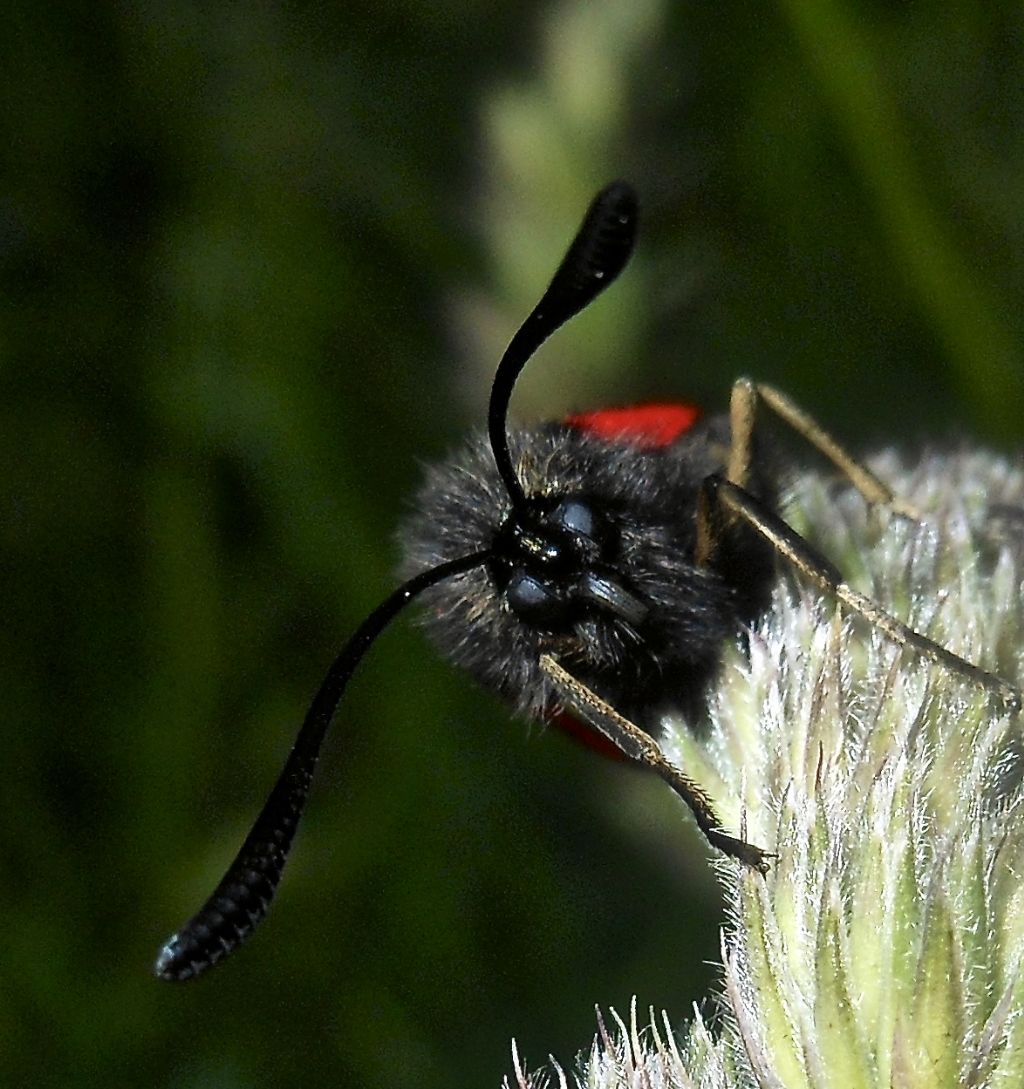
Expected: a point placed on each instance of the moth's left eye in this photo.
(534, 600)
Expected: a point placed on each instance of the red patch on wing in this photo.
(584, 734)
(649, 426)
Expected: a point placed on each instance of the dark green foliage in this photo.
(229, 241)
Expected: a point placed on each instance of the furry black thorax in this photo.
(648, 496)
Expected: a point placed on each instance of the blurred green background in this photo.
(257, 263)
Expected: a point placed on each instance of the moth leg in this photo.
(719, 495)
(640, 747)
(742, 410)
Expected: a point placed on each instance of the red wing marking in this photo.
(584, 734)
(650, 426)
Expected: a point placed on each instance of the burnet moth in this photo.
(590, 567)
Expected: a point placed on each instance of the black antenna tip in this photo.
(598, 253)
(617, 203)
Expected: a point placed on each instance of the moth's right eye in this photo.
(577, 517)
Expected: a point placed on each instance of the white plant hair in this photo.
(884, 947)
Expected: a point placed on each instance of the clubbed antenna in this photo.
(598, 253)
(243, 897)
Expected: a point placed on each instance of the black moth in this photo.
(575, 571)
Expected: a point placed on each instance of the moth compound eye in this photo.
(535, 601)
(577, 517)
(593, 536)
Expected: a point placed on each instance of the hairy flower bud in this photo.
(884, 946)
